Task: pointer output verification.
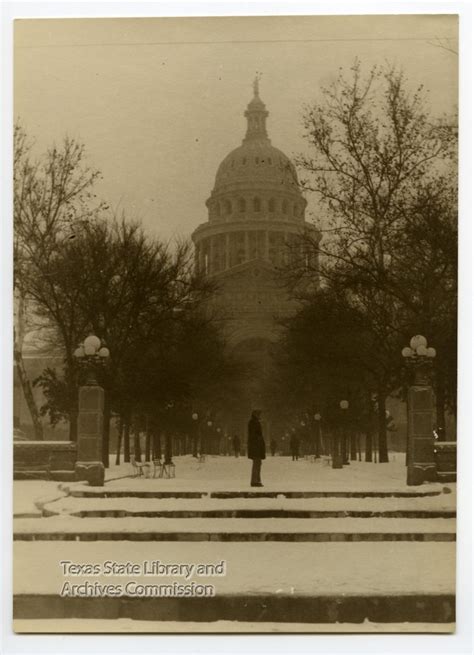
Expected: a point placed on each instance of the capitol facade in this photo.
(256, 214)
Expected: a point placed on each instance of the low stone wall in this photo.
(44, 460)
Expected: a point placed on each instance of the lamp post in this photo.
(317, 445)
(344, 406)
(195, 419)
(420, 440)
(169, 439)
(89, 356)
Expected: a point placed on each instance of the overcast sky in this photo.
(159, 102)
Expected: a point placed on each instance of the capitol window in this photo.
(256, 204)
(228, 207)
(218, 209)
(271, 205)
(256, 160)
(284, 207)
(241, 205)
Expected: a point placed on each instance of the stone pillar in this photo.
(89, 465)
(247, 253)
(421, 462)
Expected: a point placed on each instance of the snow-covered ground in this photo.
(26, 493)
(278, 473)
(252, 568)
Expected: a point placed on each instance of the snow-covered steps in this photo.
(442, 506)
(82, 491)
(64, 528)
(258, 582)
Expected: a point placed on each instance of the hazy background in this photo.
(159, 102)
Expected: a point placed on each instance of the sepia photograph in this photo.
(235, 299)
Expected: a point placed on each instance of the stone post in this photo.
(421, 458)
(89, 465)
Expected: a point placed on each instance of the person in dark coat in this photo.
(255, 447)
(236, 445)
(294, 447)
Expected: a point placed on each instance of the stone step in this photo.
(291, 530)
(333, 609)
(261, 513)
(296, 508)
(106, 492)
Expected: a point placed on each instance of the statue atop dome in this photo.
(256, 114)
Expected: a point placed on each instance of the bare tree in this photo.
(52, 198)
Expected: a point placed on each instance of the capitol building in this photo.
(256, 214)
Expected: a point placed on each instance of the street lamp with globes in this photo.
(317, 445)
(420, 440)
(195, 419)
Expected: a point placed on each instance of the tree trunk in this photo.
(126, 441)
(157, 445)
(147, 446)
(106, 431)
(137, 446)
(28, 393)
(353, 440)
(368, 445)
(382, 420)
(119, 442)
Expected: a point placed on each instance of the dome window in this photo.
(270, 161)
(257, 160)
(271, 205)
(218, 209)
(284, 207)
(228, 207)
(257, 205)
(244, 161)
(295, 210)
(241, 205)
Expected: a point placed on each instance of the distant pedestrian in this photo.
(295, 447)
(236, 445)
(273, 447)
(255, 447)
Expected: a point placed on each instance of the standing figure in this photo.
(273, 446)
(295, 447)
(255, 447)
(236, 445)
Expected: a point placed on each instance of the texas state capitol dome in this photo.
(256, 210)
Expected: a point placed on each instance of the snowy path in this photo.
(278, 473)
